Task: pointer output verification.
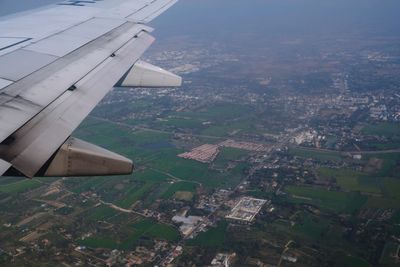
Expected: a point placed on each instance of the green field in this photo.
(316, 155)
(382, 202)
(391, 188)
(387, 145)
(385, 190)
(387, 259)
(224, 118)
(214, 237)
(390, 195)
(150, 228)
(99, 242)
(350, 180)
(142, 228)
(19, 186)
(318, 229)
(328, 200)
(163, 231)
(388, 129)
(152, 150)
(217, 131)
(136, 145)
(179, 186)
(311, 226)
(105, 134)
(116, 110)
(87, 184)
(218, 112)
(257, 193)
(149, 175)
(232, 177)
(156, 160)
(101, 213)
(185, 169)
(390, 166)
(183, 122)
(228, 154)
(350, 261)
(189, 170)
(134, 194)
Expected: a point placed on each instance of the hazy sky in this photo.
(222, 17)
(287, 16)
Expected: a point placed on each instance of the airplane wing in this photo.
(56, 64)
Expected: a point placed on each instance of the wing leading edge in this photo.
(72, 69)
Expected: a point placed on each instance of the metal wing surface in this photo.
(56, 64)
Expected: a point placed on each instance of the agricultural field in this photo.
(390, 197)
(351, 261)
(318, 229)
(99, 242)
(214, 237)
(217, 120)
(316, 155)
(386, 129)
(387, 259)
(131, 235)
(388, 132)
(135, 194)
(311, 226)
(228, 154)
(19, 186)
(390, 164)
(350, 180)
(383, 192)
(218, 112)
(101, 213)
(181, 122)
(246, 124)
(180, 187)
(157, 165)
(334, 201)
